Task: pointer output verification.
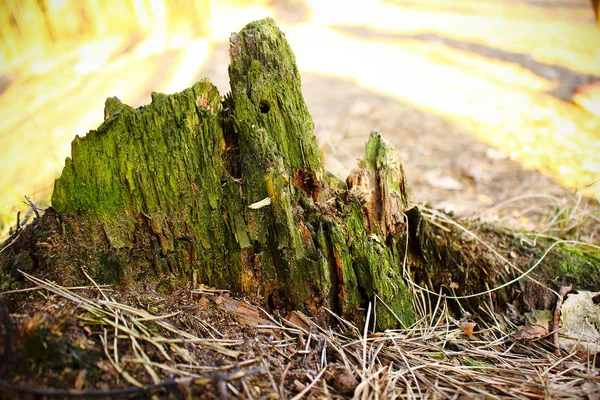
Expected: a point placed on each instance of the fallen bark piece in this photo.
(243, 312)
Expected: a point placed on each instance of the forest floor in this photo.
(478, 100)
(183, 342)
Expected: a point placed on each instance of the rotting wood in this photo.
(230, 192)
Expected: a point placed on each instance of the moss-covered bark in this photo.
(230, 192)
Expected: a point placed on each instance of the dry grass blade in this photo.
(133, 325)
(309, 386)
(434, 358)
(568, 216)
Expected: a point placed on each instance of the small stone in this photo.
(345, 383)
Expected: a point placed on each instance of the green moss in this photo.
(111, 270)
(23, 262)
(161, 165)
(437, 356)
(266, 89)
(181, 177)
(579, 261)
(470, 362)
(378, 271)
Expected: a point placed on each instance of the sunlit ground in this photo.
(519, 109)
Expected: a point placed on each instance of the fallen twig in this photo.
(133, 390)
(562, 292)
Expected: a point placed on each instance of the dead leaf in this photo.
(580, 323)
(536, 326)
(204, 302)
(80, 379)
(539, 317)
(512, 313)
(531, 332)
(468, 328)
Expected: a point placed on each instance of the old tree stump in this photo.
(231, 193)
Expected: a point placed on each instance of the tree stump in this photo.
(231, 193)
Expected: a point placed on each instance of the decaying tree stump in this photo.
(230, 192)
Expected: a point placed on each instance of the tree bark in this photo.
(231, 192)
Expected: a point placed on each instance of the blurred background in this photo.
(489, 102)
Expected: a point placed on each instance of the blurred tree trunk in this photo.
(35, 27)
